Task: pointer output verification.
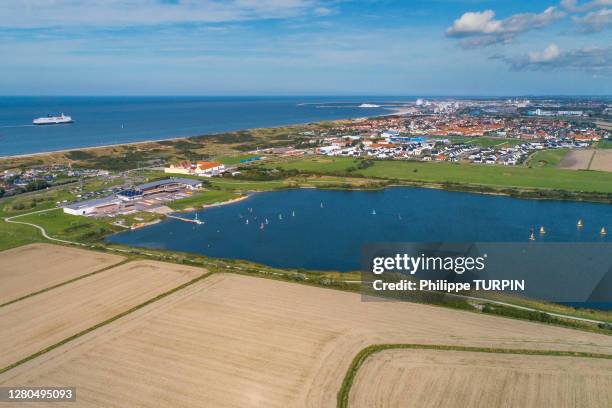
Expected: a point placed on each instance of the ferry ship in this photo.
(53, 120)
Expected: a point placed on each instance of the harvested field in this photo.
(577, 159)
(238, 341)
(34, 267)
(602, 160)
(435, 378)
(37, 322)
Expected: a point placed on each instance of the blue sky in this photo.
(305, 47)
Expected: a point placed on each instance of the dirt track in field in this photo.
(37, 322)
(34, 267)
(450, 379)
(237, 341)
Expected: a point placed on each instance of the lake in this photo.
(324, 230)
(113, 120)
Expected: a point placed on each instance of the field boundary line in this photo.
(591, 160)
(105, 322)
(365, 353)
(38, 292)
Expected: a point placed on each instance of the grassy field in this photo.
(547, 158)
(604, 144)
(223, 337)
(485, 141)
(233, 159)
(14, 235)
(494, 176)
(197, 200)
(70, 227)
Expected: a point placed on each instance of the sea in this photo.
(100, 121)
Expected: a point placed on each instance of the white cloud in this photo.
(594, 21)
(484, 28)
(62, 13)
(574, 7)
(594, 60)
(548, 54)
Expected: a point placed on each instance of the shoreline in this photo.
(395, 112)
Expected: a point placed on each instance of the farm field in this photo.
(437, 378)
(28, 269)
(602, 160)
(37, 322)
(235, 341)
(577, 160)
(442, 172)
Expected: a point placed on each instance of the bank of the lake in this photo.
(325, 229)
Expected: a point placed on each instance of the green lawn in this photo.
(70, 227)
(444, 172)
(547, 158)
(202, 198)
(485, 141)
(604, 144)
(247, 185)
(14, 235)
(234, 159)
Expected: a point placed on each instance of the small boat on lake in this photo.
(603, 231)
(580, 224)
(542, 230)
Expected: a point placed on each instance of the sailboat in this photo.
(261, 226)
(580, 224)
(321, 204)
(542, 230)
(266, 221)
(602, 232)
(532, 237)
(247, 222)
(280, 216)
(373, 212)
(293, 213)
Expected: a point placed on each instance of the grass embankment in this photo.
(604, 144)
(363, 355)
(494, 176)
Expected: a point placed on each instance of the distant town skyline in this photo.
(305, 47)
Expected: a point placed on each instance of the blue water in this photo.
(330, 238)
(111, 120)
